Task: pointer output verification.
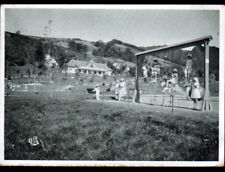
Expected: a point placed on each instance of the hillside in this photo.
(24, 50)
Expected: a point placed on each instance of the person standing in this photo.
(145, 73)
(97, 92)
(116, 87)
(188, 90)
(134, 91)
(122, 90)
(174, 79)
(155, 70)
(195, 92)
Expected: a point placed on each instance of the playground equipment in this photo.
(188, 68)
(196, 42)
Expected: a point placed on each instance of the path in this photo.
(151, 103)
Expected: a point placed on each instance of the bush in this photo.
(77, 47)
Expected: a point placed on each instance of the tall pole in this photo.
(137, 98)
(205, 104)
(49, 34)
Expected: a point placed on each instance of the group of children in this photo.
(171, 83)
(120, 89)
(193, 90)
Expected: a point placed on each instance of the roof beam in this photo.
(185, 44)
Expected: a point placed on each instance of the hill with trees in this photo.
(21, 50)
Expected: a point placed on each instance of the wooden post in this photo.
(137, 98)
(205, 103)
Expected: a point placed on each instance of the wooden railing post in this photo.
(137, 98)
(205, 103)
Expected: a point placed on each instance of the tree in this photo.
(40, 59)
(77, 47)
(129, 55)
(95, 52)
(110, 65)
(99, 44)
(18, 32)
(39, 55)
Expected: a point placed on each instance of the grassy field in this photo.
(72, 125)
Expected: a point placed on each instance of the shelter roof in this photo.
(185, 44)
(88, 65)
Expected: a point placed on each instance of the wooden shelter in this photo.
(195, 42)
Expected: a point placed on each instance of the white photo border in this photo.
(220, 162)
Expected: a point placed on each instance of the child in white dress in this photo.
(195, 92)
(97, 92)
(123, 89)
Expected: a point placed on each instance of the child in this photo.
(116, 86)
(122, 90)
(169, 87)
(170, 91)
(97, 92)
(188, 90)
(174, 79)
(164, 81)
(145, 73)
(10, 85)
(195, 93)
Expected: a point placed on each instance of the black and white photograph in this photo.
(112, 85)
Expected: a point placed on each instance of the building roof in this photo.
(76, 63)
(50, 61)
(91, 65)
(177, 46)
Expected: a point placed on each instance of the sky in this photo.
(145, 27)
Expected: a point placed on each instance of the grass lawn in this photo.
(74, 126)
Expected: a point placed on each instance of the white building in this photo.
(87, 67)
(50, 62)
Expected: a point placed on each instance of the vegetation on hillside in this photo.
(21, 50)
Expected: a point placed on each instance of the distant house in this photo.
(87, 67)
(118, 63)
(73, 66)
(50, 61)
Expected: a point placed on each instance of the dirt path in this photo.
(178, 109)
